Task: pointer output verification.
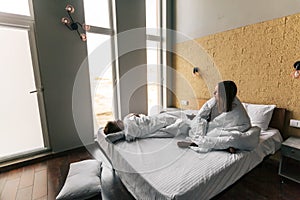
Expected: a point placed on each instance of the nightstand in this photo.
(290, 159)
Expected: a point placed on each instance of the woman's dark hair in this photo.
(113, 127)
(227, 91)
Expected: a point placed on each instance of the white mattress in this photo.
(156, 168)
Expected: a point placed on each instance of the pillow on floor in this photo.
(83, 181)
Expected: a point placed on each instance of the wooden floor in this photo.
(38, 181)
(262, 183)
(44, 180)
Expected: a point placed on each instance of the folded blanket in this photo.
(239, 140)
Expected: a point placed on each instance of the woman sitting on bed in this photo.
(220, 123)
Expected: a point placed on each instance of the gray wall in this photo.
(197, 18)
(131, 21)
(60, 53)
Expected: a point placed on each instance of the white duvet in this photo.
(229, 129)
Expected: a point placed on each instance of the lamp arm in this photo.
(71, 17)
(67, 25)
(80, 25)
(78, 32)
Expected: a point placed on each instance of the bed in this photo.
(155, 168)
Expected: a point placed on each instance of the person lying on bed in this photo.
(141, 126)
(222, 123)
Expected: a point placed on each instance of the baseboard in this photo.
(28, 160)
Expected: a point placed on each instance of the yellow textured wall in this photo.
(258, 57)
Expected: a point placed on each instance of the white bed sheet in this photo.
(155, 168)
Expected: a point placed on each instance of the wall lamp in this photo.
(196, 71)
(296, 72)
(73, 25)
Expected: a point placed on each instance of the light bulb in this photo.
(70, 9)
(83, 37)
(295, 74)
(196, 74)
(65, 20)
(86, 27)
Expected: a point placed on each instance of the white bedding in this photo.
(155, 168)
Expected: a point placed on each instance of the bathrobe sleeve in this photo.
(199, 123)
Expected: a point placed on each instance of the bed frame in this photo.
(278, 120)
(132, 180)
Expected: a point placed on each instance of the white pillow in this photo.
(245, 105)
(260, 115)
(83, 181)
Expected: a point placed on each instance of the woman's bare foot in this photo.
(231, 150)
(185, 144)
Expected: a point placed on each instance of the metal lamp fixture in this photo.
(73, 25)
(296, 72)
(196, 71)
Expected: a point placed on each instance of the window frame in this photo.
(162, 57)
(27, 23)
(114, 52)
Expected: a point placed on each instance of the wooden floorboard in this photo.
(2, 182)
(24, 193)
(40, 184)
(44, 180)
(27, 177)
(10, 189)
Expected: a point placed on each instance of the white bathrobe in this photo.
(161, 125)
(229, 129)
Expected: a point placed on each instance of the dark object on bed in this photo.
(278, 119)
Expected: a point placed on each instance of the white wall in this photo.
(198, 18)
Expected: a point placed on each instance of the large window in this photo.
(98, 14)
(156, 56)
(22, 120)
(19, 7)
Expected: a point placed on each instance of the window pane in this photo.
(152, 17)
(151, 14)
(97, 13)
(20, 7)
(20, 125)
(153, 77)
(99, 49)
